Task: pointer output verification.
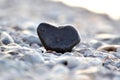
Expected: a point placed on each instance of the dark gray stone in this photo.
(61, 39)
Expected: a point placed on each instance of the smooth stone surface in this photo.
(109, 48)
(61, 39)
(115, 41)
(95, 43)
(59, 72)
(105, 36)
(32, 39)
(32, 58)
(5, 38)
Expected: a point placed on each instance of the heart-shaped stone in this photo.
(59, 39)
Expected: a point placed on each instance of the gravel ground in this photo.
(22, 56)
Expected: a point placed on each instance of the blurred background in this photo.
(109, 7)
(90, 17)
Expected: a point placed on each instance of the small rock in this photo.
(6, 65)
(77, 54)
(12, 52)
(109, 38)
(17, 28)
(5, 38)
(59, 72)
(61, 39)
(117, 54)
(81, 77)
(109, 48)
(105, 36)
(68, 54)
(31, 39)
(88, 53)
(60, 69)
(95, 44)
(32, 58)
(117, 64)
(115, 41)
(58, 54)
(2, 48)
(82, 45)
(70, 62)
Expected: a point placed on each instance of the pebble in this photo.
(7, 65)
(12, 52)
(61, 39)
(67, 54)
(17, 28)
(5, 38)
(109, 38)
(81, 77)
(49, 57)
(109, 48)
(60, 72)
(117, 54)
(115, 41)
(88, 53)
(117, 64)
(95, 44)
(70, 62)
(31, 40)
(105, 36)
(40, 69)
(32, 58)
(77, 54)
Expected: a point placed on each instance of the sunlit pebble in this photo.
(77, 54)
(118, 65)
(81, 63)
(17, 28)
(8, 47)
(60, 72)
(115, 41)
(34, 45)
(31, 40)
(105, 36)
(108, 38)
(117, 54)
(95, 43)
(42, 49)
(5, 38)
(67, 54)
(2, 49)
(58, 54)
(69, 61)
(110, 64)
(32, 58)
(12, 52)
(81, 77)
(87, 71)
(12, 46)
(109, 48)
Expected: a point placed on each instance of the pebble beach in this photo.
(23, 57)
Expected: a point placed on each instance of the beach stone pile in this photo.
(23, 56)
